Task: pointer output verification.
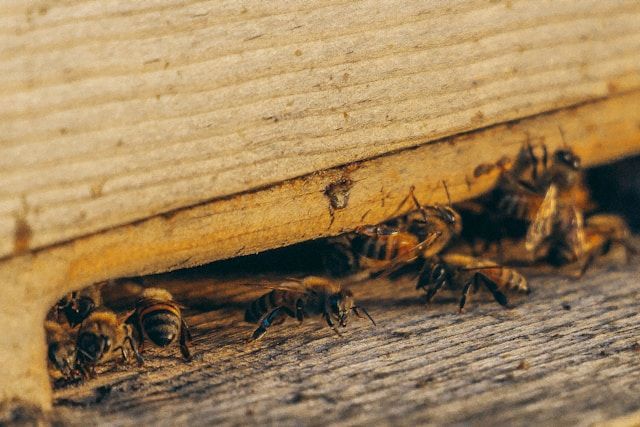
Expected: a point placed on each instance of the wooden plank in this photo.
(565, 355)
(279, 215)
(114, 112)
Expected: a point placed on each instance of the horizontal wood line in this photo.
(173, 7)
(461, 361)
(80, 104)
(319, 214)
(163, 164)
(55, 135)
(190, 28)
(44, 186)
(14, 86)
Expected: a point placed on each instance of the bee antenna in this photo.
(564, 141)
(482, 267)
(364, 310)
(90, 357)
(417, 203)
(446, 190)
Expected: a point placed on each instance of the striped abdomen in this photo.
(269, 302)
(519, 206)
(384, 247)
(506, 278)
(160, 321)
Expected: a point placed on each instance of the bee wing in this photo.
(575, 234)
(126, 315)
(289, 285)
(542, 225)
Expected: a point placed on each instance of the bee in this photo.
(522, 188)
(309, 297)
(602, 231)
(422, 233)
(102, 337)
(77, 305)
(457, 271)
(538, 197)
(61, 350)
(158, 318)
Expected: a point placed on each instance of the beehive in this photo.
(142, 137)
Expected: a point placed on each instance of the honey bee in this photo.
(422, 233)
(540, 198)
(457, 271)
(61, 350)
(558, 228)
(77, 305)
(522, 188)
(102, 337)
(310, 297)
(602, 231)
(158, 318)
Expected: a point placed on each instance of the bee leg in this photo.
(300, 310)
(465, 292)
(588, 262)
(435, 274)
(185, 336)
(140, 337)
(492, 286)
(534, 161)
(332, 325)
(134, 348)
(266, 321)
(125, 358)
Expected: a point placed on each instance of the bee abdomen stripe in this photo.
(171, 308)
(162, 327)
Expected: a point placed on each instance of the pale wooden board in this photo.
(115, 111)
(280, 215)
(421, 365)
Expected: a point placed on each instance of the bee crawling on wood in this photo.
(158, 318)
(77, 305)
(61, 350)
(538, 196)
(602, 231)
(468, 273)
(103, 336)
(310, 297)
(420, 234)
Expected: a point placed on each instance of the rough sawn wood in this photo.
(112, 112)
(280, 215)
(568, 354)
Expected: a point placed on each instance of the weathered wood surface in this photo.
(568, 354)
(280, 215)
(114, 112)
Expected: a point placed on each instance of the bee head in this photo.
(92, 347)
(62, 356)
(78, 309)
(567, 158)
(340, 306)
(449, 216)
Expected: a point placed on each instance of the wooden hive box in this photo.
(142, 137)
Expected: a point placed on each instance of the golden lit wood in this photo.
(286, 213)
(114, 112)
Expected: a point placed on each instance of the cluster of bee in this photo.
(540, 201)
(82, 333)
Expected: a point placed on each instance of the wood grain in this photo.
(565, 355)
(114, 112)
(280, 215)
